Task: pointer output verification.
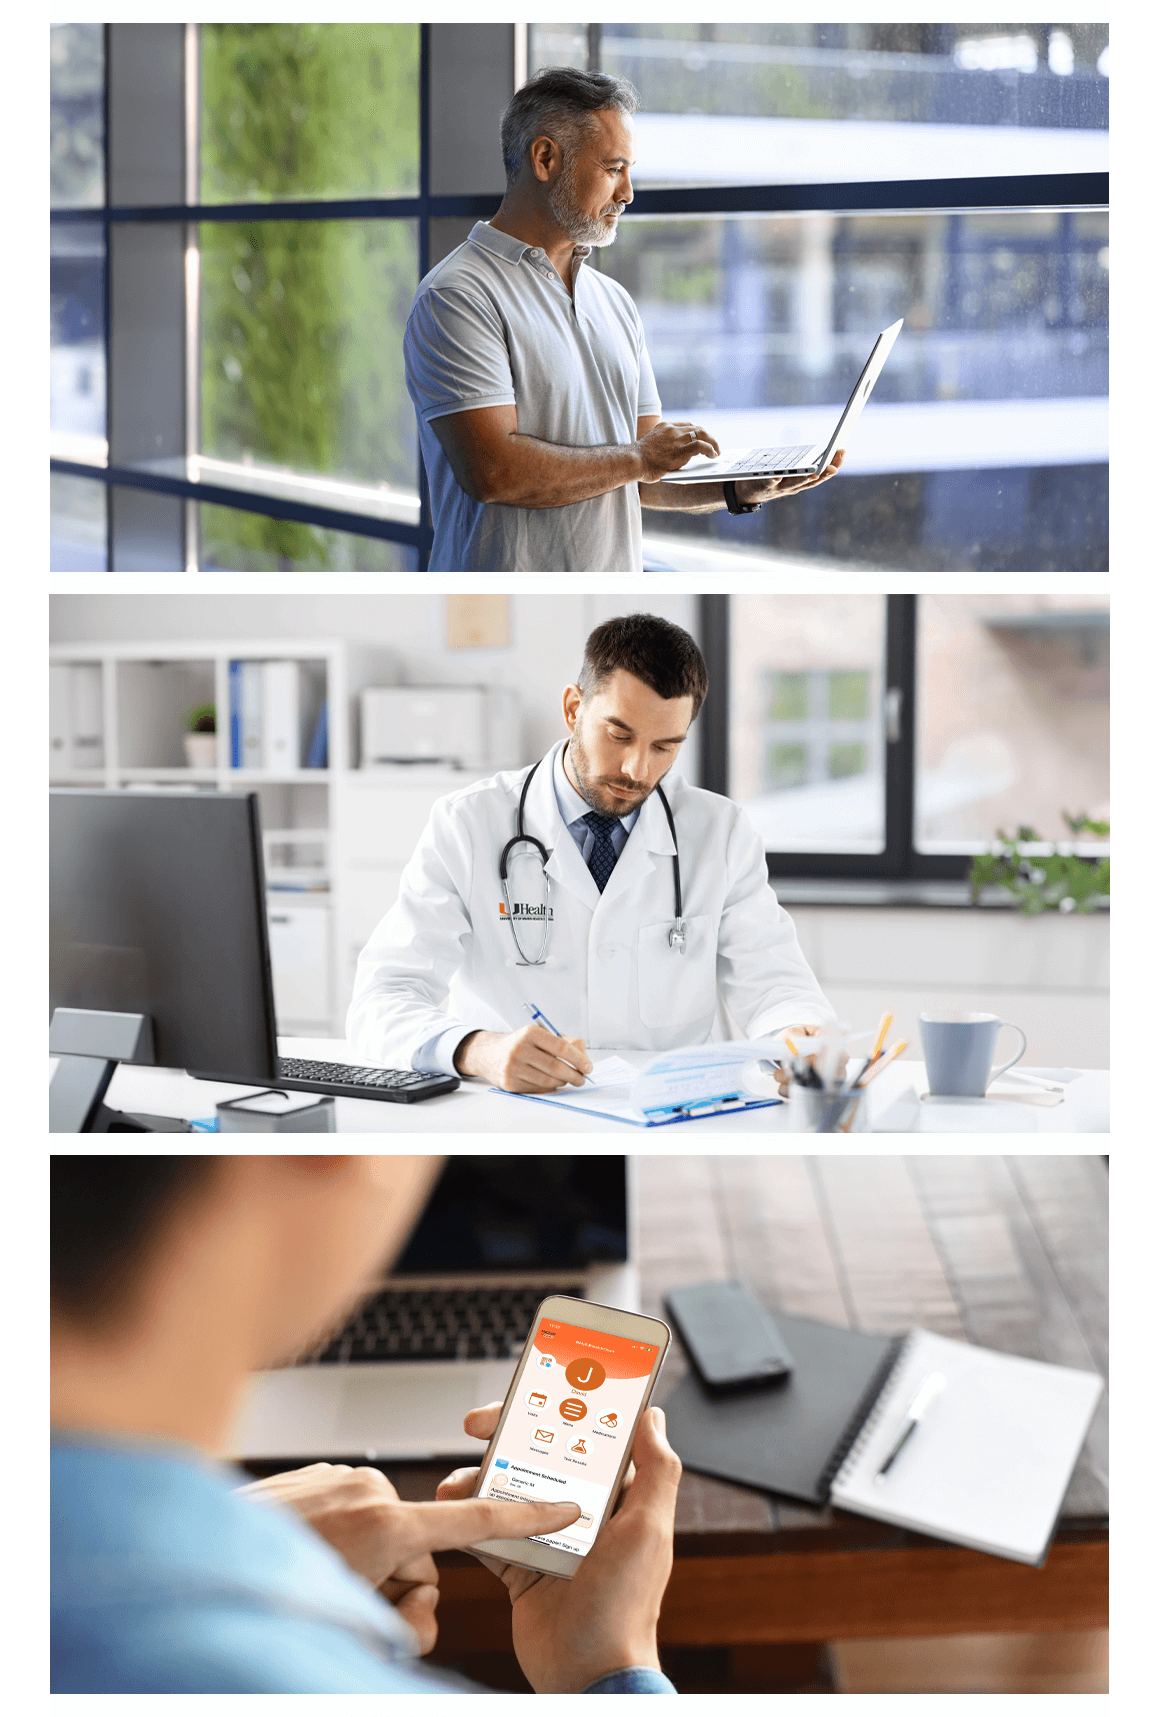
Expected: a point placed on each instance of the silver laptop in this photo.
(805, 460)
(443, 1332)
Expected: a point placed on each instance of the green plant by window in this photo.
(202, 719)
(1045, 880)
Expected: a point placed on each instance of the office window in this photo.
(986, 440)
(1013, 717)
(77, 393)
(798, 104)
(275, 340)
(77, 524)
(235, 541)
(806, 746)
(309, 110)
(301, 349)
(77, 79)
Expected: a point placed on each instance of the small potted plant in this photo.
(201, 737)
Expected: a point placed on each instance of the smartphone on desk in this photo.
(730, 1339)
(583, 1380)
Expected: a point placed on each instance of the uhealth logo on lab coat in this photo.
(520, 910)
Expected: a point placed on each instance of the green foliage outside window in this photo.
(848, 695)
(1045, 880)
(788, 766)
(302, 321)
(788, 697)
(846, 759)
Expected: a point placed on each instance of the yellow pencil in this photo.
(886, 1022)
(872, 1071)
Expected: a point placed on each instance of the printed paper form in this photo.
(685, 1078)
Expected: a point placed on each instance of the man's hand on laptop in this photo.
(390, 1543)
(532, 1059)
(775, 488)
(669, 446)
(569, 1633)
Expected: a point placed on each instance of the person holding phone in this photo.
(172, 1279)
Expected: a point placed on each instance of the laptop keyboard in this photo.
(439, 1323)
(771, 458)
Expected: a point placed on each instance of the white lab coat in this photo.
(444, 953)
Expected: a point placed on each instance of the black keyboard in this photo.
(772, 459)
(439, 1323)
(336, 1079)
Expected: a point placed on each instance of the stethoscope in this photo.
(522, 838)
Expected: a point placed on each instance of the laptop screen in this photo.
(521, 1213)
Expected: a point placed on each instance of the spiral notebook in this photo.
(988, 1466)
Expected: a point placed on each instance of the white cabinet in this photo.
(379, 817)
(300, 958)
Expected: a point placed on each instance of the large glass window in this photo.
(77, 83)
(309, 110)
(985, 447)
(235, 541)
(827, 103)
(301, 361)
(77, 392)
(1013, 717)
(893, 737)
(806, 736)
(986, 440)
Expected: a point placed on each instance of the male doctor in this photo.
(586, 928)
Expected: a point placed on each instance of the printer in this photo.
(467, 727)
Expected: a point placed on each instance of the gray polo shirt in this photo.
(493, 324)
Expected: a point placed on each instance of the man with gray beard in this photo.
(539, 417)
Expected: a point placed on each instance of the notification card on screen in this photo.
(574, 1407)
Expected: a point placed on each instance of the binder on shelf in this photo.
(76, 717)
(986, 1466)
(246, 697)
(318, 756)
(283, 713)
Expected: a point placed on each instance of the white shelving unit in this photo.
(336, 839)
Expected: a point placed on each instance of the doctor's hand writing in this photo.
(784, 1075)
(390, 1543)
(569, 1633)
(533, 1059)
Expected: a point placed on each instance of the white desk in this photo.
(894, 1106)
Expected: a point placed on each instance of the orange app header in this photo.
(609, 1355)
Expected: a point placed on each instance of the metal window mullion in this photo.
(108, 274)
(901, 196)
(900, 676)
(426, 532)
(192, 284)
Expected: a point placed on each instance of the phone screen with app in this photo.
(572, 1412)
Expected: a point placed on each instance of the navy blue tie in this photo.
(602, 858)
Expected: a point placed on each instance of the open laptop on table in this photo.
(807, 459)
(445, 1329)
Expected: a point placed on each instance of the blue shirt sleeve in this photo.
(456, 355)
(632, 1681)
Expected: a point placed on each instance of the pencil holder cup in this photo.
(813, 1111)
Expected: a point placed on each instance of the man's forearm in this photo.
(537, 473)
(683, 497)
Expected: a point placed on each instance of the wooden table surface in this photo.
(1008, 1252)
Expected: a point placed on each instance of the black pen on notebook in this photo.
(933, 1385)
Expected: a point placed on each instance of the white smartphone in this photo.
(566, 1431)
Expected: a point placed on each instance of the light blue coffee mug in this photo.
(959, 1050)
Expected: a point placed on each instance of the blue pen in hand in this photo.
(538, 1013)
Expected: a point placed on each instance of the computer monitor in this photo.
(157, 909)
